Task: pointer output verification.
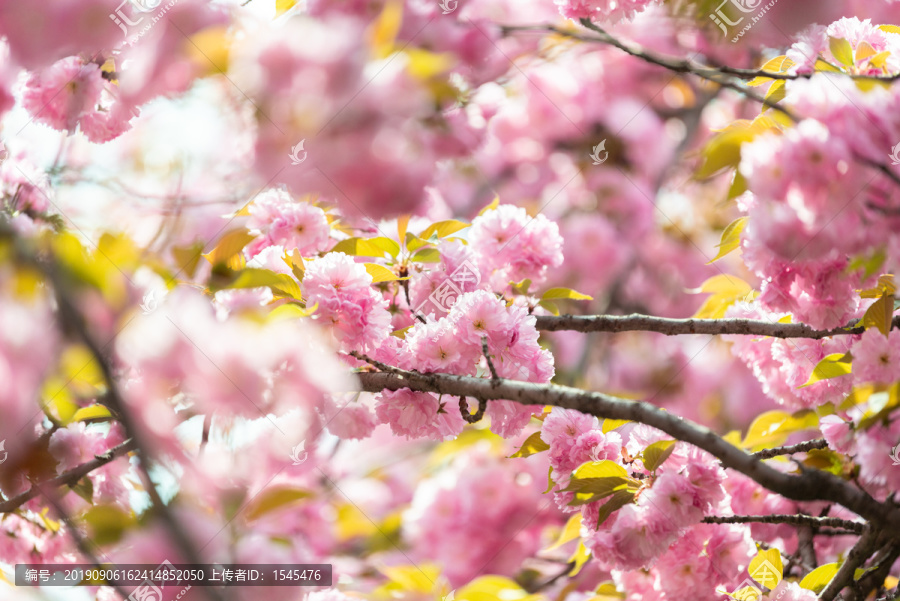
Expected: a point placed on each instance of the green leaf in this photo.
(532, 445)
(280, 283)
(725, 291)
(188, 257)
(620, 499)
(731, 238)
(657, 453)
(550, 306)
(819, 578)
(443, 228)
(427, 255)
(92, 412)
(107, 523)
(380, 273)
(413, 242)
(597, 480)
(779, 64)
(492, 588)
(563, 293)
(84, 488)
(834, 365)
(841, 50)
(738, 185)
(273, 499)
(367, 247)
(889, 28)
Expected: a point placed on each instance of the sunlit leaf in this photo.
(442, 229)
(564, 293)
(380, 273)
(766, 568)
(731, 238)
(229, 246)
(773, 427)
(570, 532)
(532, 445)
(841, 50)
(657, 453)
(834, 365)
(273, 499)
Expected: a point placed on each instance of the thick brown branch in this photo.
(675, 327)
(793, 519)
(808, 486)
(69, 477)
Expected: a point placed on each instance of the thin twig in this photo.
(472, 417)
(675, 327)
(792, 519)
(800, 447)
(487, 356)
(68, 478)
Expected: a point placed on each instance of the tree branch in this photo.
(863, 549)
(818, 443)
(808, 486)
(675, 327)
(792, 519)
(69, 477)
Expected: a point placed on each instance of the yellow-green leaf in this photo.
(492, 588)
(773, 427)
(402, 224)
(229, 247)
(657, 453)
(493, 205)
(188, 257)
(889, 28)
(766, 568)
(834, 365)
(580, 557)
(384, 30)
(91, 412)
(275, 498)
(611, 424)
(618, 500)
(413, 578)
(367, 247)
(532, 445)
(570, 532)
(282, 6)
(280, 283)
(380, 273)
(880, 314)
(731, 238)
(563, 293)
(427, 255)
(107, 523)
(599, 469)
(841, 50)
(725, 291)
(443, 228)
(550, 306)
(775, 93)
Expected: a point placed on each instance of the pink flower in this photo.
(876, 357)
(511, 246)
(282, 221)
(335, 273)
(837, 433)
(60, 94)
(410, 414)
(561, 430)
(594, 445)
(601, 9)
(509, 417)
(672, 498)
